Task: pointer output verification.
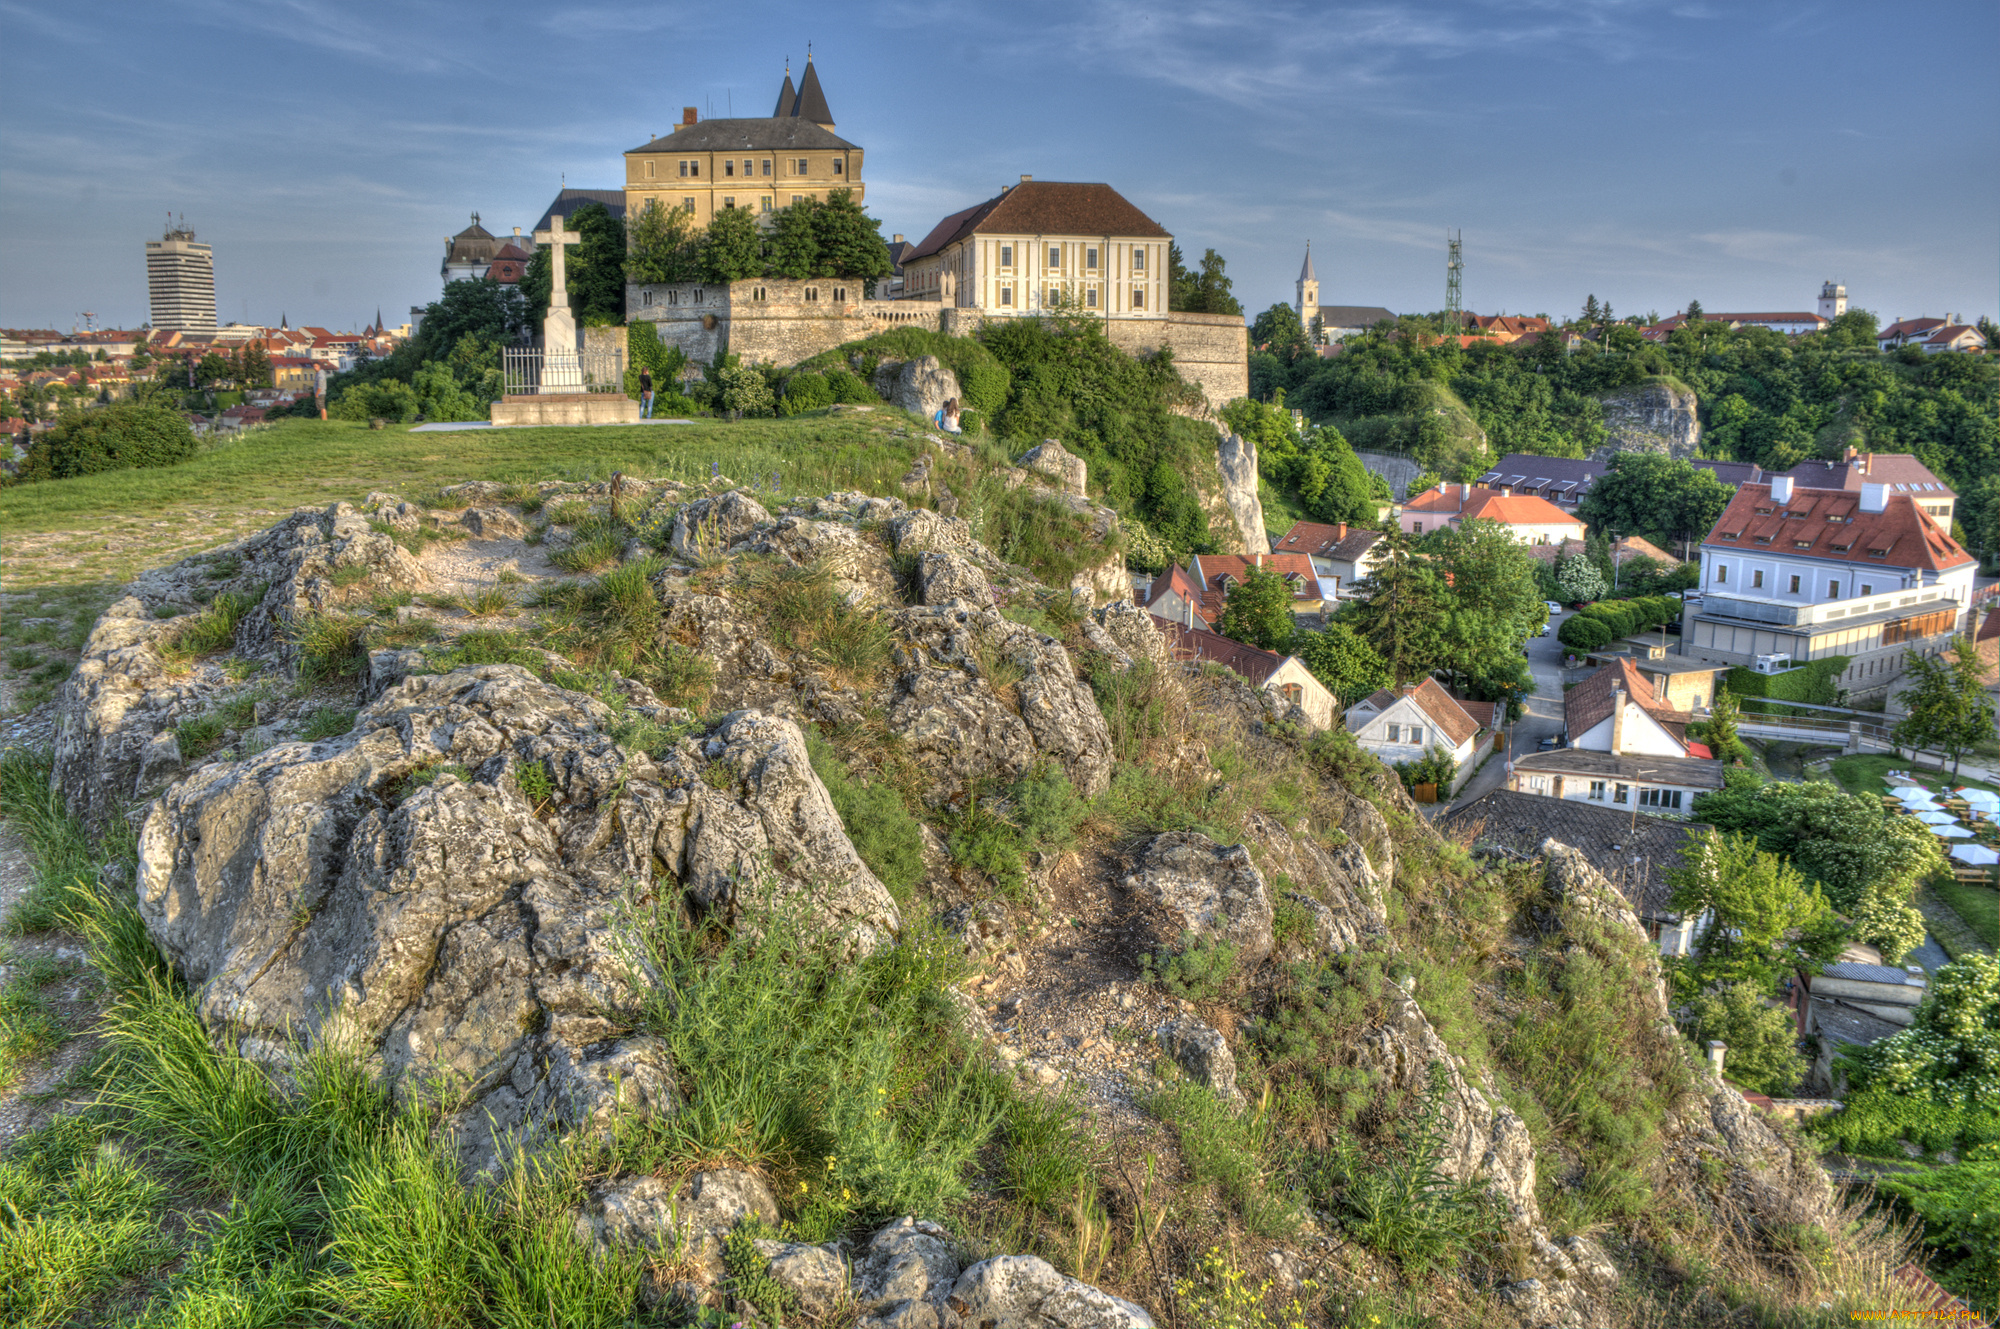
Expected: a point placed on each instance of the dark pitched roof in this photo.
(1352, 316)
(569, 200)
(1306, 273)
(1903, 473)
(811, 104)
(1731, 473)
(1044, 207)
(747, 135)
(788, 97)
(1692, 772)
(1341, 542)
(1611, 840)
(1834, 527)
(1185, 643)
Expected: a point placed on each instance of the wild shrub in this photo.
(1200, 970)
(805, 391)
(532, 779)
(1435, 767)
(843, 1080)
(1047, 809)
(884, 833)
(1225, 1149)
(985, 841)
(117, 437)
(209, 632)
(1219, 1294)
(1405, 1206)
(1307, 1041)
(806, 612)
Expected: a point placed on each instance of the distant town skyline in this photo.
(1644, 154)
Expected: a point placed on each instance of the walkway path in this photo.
(1543, 717)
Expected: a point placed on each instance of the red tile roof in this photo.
(1043, 207)
(1177, 580)
(1491, 505)
(1442, 709)
(1588, 704)
(1829, 523)
(1341, 542)
(1185, 643)
(1221, 571)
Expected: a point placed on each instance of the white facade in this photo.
(1649, 796)
(1636, 734)
(180, 282)
(1402, 732)
(1832, 301)
(1026, 274)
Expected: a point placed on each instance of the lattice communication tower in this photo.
(1454, 264)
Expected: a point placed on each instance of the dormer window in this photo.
(1802, 544)
(1878, 553)
(1763, 511)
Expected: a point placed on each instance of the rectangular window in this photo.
(1007, 296)
(1795, 585)
(1138, 299)
(800, 166)
(687, 205)
(1090, 298)
(1597, 790)
(1833, 590)
(729, 202)
(1138, 260)
(1090, 259)
(1395, 733)
(837, 164)
(1006, 256)
(1721, 573)
(649, 170)
(1622, 794)
(1417, 735)
(694, 168)
(749, 167)
(1756, 579)
(767, 202)
(684, 170)
(729, 168)
(798, 198)
(1055, 256)
(1051, 297)
(1867, 589)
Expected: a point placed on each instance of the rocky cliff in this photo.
(1145, 878)
(1657, 417)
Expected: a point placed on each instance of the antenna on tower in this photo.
(1454, 266)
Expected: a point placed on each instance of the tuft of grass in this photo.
(329, 646)
(806, 612)
(198, 736)
(596, 542)
(62, 856)
(1225, 1150)
(351, 575)
(209, 632)
(327, 722)
(28, 1026)
(1048, 1154)
(488, 646)
(876, 819)
(567, 512)
(485, 603)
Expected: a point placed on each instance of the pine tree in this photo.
(1948, 706)
(1258, 610)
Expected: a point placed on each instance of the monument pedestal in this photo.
(565, 408)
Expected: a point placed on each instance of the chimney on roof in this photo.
(1027, 179)
(1867, 462)
(1852, 453)
(1874, 497)
(1464, 495)
(687, 115)
(1617, 718)
(1781, 489)
(897, 238)
(1340, 530)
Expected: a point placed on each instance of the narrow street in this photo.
(1544, 715)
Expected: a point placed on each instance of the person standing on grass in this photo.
(645, 394)
(319, 391)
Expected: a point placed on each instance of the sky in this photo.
(1735, 152)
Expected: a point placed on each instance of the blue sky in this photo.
(1736, 152)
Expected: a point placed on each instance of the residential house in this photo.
(1628, 749)
(1341, 554)
(1792, 323)
(1635, 854)
(469, 254)
(1560, 480)
(1505, 328)
(1285, 676)
(1959, 337)
(1899, 471)
(1905, 331)
(1802, 574)
(1678, 683)
(1405, 724)
(1531, 520)
(1203, 586)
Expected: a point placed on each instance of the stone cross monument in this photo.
(561, 371)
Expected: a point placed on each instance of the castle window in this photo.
(840, 295)
(1006, 256)
(1090, 298)
(749, 167)
(1055, 256)
(1006, 296)
(1756, 579)
(1052, 298)
(799, 166)
(687, 205)
(1833, 590)
(767, 166)
(1721, 573)
(684, 170)
(1138, 299)
(798, 198)
(1090, 259)
(1795, 586)
(837, 164)
(767, 202)
(757, 293)
(729, 202)
(649, 170)
(1138, 260)
(729, 168)
(812, 292)
(1867, 589)
(697, 295)
(646, 296)
(673, 297)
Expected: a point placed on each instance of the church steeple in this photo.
(811, 104)
(1308, 289)
(788, 97)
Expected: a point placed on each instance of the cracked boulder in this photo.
(394, 894)
(1185, 884)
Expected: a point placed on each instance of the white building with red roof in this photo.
(1404, 724)
(1284, 676)
(1805, 574)
(1198, 593)
(1532, 520)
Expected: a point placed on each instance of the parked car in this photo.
(1548, 744)
(1554, 608)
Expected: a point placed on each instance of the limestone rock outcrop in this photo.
(919, 386)
(1026, 1292)
(689, 1221)
(708, 527)
(1236, 458)
(1191, 886)
(1070, 472)
(394, 892)
(1654, 417)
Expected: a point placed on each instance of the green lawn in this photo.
(1978, 905)
(1863, 773)
(301, 462)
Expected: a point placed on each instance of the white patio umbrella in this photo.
(1985, 800)
(1976, 854)
(1951, 832)
(1911, 793)
(1931, 817)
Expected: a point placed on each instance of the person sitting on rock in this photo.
(947, 416)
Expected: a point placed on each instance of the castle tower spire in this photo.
(1308, 292)
(788, 96)
(812, 101)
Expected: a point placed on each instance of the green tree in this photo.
(849, 241)
(596, 266)
(1763, 1053)
(1946, 1063)
(1278, 330)
(1949, 709)
(1258, 610)
(1494, 603)
(1343, 661)
(1764, 920)
(664, 246)
(1721, 728)
(486, 311)
(1403, 615)
(1203, 292)
(118, 437)
(1650, 493)
(792, 243)
(1579, 579)
(731, 249)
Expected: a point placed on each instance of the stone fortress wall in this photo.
(778, 321)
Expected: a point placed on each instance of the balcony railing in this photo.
(531, 371)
